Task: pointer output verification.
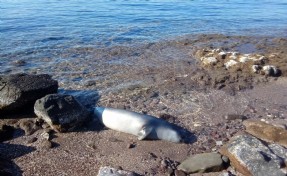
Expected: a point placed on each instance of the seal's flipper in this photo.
(144, 132)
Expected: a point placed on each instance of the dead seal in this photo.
(141, 125)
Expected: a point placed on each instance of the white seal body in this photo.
(141, 125)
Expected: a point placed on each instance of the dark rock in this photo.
(20, 91)
(6, 132)
(200, 163)
(131, 145)
(250, 156)
(109, 171)
(61, 112)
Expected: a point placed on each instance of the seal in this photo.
(141, 125)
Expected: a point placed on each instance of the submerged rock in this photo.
(61, 112)
(250, 156)
(200, 163)
(20, 91)
(109, 171)
(266, 132)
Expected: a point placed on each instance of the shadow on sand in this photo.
(9, 152)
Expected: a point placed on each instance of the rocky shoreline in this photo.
(234, 118)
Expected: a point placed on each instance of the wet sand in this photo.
(163, 79)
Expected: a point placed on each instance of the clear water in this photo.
(32, 30)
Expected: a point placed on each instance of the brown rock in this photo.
(266, 132)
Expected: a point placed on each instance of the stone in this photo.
(62, 112)
(255, 68)
(250, 156)
(266, 132)
(234, 117)
(209, 60)
(20, 91)
(270, 70)
(243, 59)
(230, 64)
(109, 171)
(28, 126)
(200, 163)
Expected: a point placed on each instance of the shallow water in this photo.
(36, 36)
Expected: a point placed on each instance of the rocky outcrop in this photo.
(250, 156)
(20, 91)
(109, 171)
(200, 163)
(266, 132)
(61, 112)
(254, 63)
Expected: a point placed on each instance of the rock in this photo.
(234, 117)
(206, 162)
(6, 132)
(19, 91)
(230, 63)
(109, 171)
(62, 112)
(255, 68)
(209, 60)
(270, 70)
(250, 156)
(266, 132)
(221, 55)
(28, 126)
(243, 59)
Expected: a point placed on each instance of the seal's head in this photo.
(169, 134)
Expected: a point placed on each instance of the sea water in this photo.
(35, 29)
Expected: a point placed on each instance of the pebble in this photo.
(131, 145)
(234, 117)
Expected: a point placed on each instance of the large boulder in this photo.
(62, 112)
(250, 156)
(19, 91)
